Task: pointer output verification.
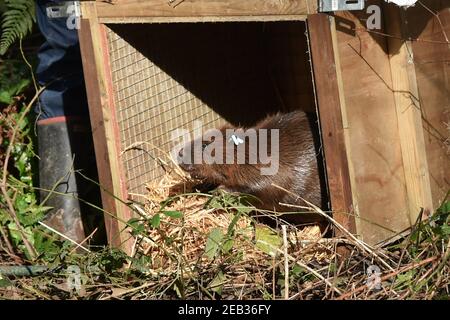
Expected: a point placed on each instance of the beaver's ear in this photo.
(226, 126)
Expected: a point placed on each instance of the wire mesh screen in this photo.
(150, 104)
(166, 76)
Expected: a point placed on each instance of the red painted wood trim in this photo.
(59, 120)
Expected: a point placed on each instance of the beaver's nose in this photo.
(180, 153)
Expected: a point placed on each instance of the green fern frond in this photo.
(17, 22)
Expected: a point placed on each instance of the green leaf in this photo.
(14, 233)
(267, 240)
(155, 221)
(134, 222)
(216, 285)
(297, 270)
(21, 203)
(445, 207)
(173, 214)
(227, 245)
(215, 203)
(142, 263)
(46, 245)
(213, 243)
(445, 230)
(178, 288)
(113, 259)
(233, 223)
(5, 282)
(136, 225)
(332, 267)
(32, 215)
(17, 22)
(6, 97)
(405, 278)
(11, 86)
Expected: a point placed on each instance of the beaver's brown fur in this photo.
(299, 167)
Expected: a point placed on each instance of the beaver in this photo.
(287, 141)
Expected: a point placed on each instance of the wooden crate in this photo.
(382, 101)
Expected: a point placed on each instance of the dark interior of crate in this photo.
(166, 76)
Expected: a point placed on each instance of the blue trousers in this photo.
(59, 68)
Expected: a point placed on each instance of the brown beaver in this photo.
(297, 154)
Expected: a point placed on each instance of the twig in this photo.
(400, 38)
(12, 211)
(243, 286)
(438, 19)
(58, 182)
(36, 88)
(137, 145)
(35, 291)
(388, 276)
(445, 257)
(64, 236)
(141, 211)
(304, 266)
(404, 251)
(7, 242)
(286, 263)
(273, 278)
(133, 252)
(358, 242)
(31, 250)
(86, 239)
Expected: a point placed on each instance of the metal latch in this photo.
(64, 9)
(338, 5)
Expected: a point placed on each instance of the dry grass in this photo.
(189, 248)
(208, 246)
(217, 250)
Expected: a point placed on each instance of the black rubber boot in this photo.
(65, 146)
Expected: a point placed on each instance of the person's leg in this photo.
(64, 135)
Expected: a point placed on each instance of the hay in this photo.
(252, 259)
(208, 246)
(190, 234)
(255, 265)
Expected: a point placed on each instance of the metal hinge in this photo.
(338, 5)
(64, 9)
